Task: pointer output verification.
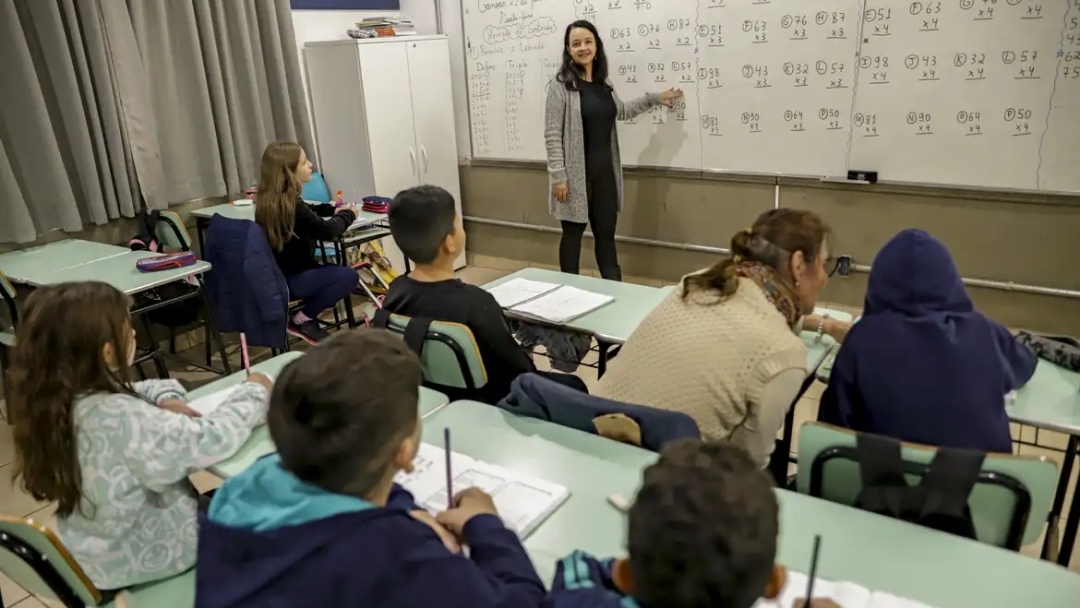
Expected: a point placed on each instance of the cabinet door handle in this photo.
(412, 159)
(423, 152)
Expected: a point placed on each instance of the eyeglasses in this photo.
(838, 265)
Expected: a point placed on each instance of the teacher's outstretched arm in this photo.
(631, 109)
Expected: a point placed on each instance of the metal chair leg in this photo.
(213, 327)
(155, 351)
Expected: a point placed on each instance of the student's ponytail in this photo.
(774, 237)
(720, 278)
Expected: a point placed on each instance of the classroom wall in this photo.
(1029, 240)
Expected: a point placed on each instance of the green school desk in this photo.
(119, 271)
(355, 236)
(260, 444)
(610, 325)
(880, 553)
(27, 265)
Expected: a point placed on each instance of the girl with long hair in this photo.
(114, 455)
(583, 147)
(293, 229)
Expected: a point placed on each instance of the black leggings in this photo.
(603, 196)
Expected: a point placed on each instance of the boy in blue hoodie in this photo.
(922, 365)
(322, 522)
(702, 534)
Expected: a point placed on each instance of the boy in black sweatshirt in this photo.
(427, 228)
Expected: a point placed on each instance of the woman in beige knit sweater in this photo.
(724, 348)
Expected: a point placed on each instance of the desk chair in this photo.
(171, 232)
(1009, 503)
(247, 290)
(448, 351)
(33, 557)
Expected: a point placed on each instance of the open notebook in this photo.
(547, 302)
(523, 502)
(847, 595)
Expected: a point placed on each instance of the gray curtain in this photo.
(107, 106)
(227, 76)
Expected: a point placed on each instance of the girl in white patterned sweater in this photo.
(113, 454)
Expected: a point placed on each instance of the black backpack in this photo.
(939, 501)
(182, 313)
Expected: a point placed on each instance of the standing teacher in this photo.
(583, 148)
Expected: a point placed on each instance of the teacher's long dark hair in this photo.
(570, 71)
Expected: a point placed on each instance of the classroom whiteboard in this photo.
(981, 93)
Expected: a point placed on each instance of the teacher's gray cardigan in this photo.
(565, 139)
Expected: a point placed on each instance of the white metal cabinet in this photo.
(384, 116)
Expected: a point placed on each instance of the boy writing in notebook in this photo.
(702, 534)
(322, 523)
(427, 228)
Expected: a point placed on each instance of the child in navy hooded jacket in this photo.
(922, 365)
(322, 523)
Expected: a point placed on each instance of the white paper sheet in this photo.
(847, 595)
(523, 502)
(564, 304)
(512, 293)
(208, 403)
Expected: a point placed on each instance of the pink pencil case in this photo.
(164, 262)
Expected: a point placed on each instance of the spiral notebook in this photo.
(523, 501)
(547, 302)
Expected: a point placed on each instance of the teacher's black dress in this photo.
(598, 112)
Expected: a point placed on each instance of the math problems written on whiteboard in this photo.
(947, 95)
(512, 50)
(803, 88)
(652, 47)
(774, 78)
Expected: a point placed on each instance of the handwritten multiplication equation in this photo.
(969, 122)
(795, 120)
(1009, 64)
(934, 15)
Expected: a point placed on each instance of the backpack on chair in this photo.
(939, 501)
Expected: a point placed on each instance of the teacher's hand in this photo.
(669, 96)
(561, 191)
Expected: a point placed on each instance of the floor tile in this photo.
(476, 275)
(46, 517)
(815, 390)
(12, 593)
(13, 500)
(205, 481)
(486, 261)
(7, 445)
